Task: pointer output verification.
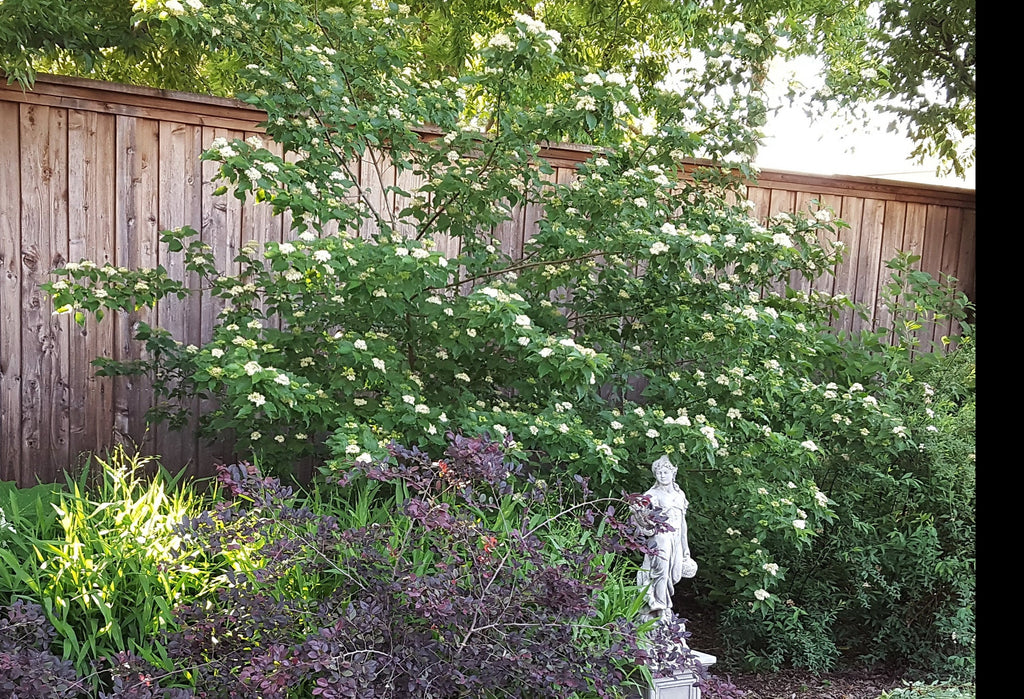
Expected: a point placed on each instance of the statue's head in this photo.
(664, 470)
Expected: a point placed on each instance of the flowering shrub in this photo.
(642, 318)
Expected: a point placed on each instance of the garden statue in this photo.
(672, 562)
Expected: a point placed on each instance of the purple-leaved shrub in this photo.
(483, 582)
(30, 670)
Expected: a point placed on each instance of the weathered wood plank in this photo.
(533, 212)
(91, 198)
(892, 242)
(35, 232)
(852, 212)
(760, 198)
(913, 243)
(58, 326)
(137, 239)
(950, 258)
(376, 174)
(44, 336)
(802, 204)
(966, 263)
(826, 281)
(780, 201)
(180, 198)
(509, 233)
(260, 226)
(10, 294)
(408, 181)
(221, 230)
(868, 262)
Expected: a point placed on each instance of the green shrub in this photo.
(933, 690)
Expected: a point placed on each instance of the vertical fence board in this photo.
(221, 230)
(11, 232)
(137, 239)
(509, 233)
(852, 213)
(826, 281)
(966, 265)
(92, 205)
(259, 225)
(968, 260)
(802, 205)
(913, 243)
(44, 336)
(533, 212)
(180, 199)
(931, 252)
(377, 173)
(57, 326)
(951, 257)
(892, 242)
(35, 233)
(448, 245)
(780, 201)
(81, 139)
(760, 198)
(869, 273)
(409, 182)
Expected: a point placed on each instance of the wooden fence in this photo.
(95, 170)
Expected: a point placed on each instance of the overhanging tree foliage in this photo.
(914, 60)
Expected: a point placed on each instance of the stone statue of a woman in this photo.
(659, 573)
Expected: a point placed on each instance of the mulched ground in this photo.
(802, 685)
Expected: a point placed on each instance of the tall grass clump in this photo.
(103, 559)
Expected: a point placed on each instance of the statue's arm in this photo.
(683, 535)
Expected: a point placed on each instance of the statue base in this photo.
(682, 685)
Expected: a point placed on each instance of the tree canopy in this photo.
(913, 60)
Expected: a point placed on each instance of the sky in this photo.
(831, 147)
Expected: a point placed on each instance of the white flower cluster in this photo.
(534, 28)
(166, 8)
(223, 148)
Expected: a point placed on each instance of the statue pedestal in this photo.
(682, 685)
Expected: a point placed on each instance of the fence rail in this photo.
(95, 170)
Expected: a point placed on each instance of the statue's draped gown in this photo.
(663, 571)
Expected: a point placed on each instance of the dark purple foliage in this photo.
(28, 670)
(470, 591)
(460, 607)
